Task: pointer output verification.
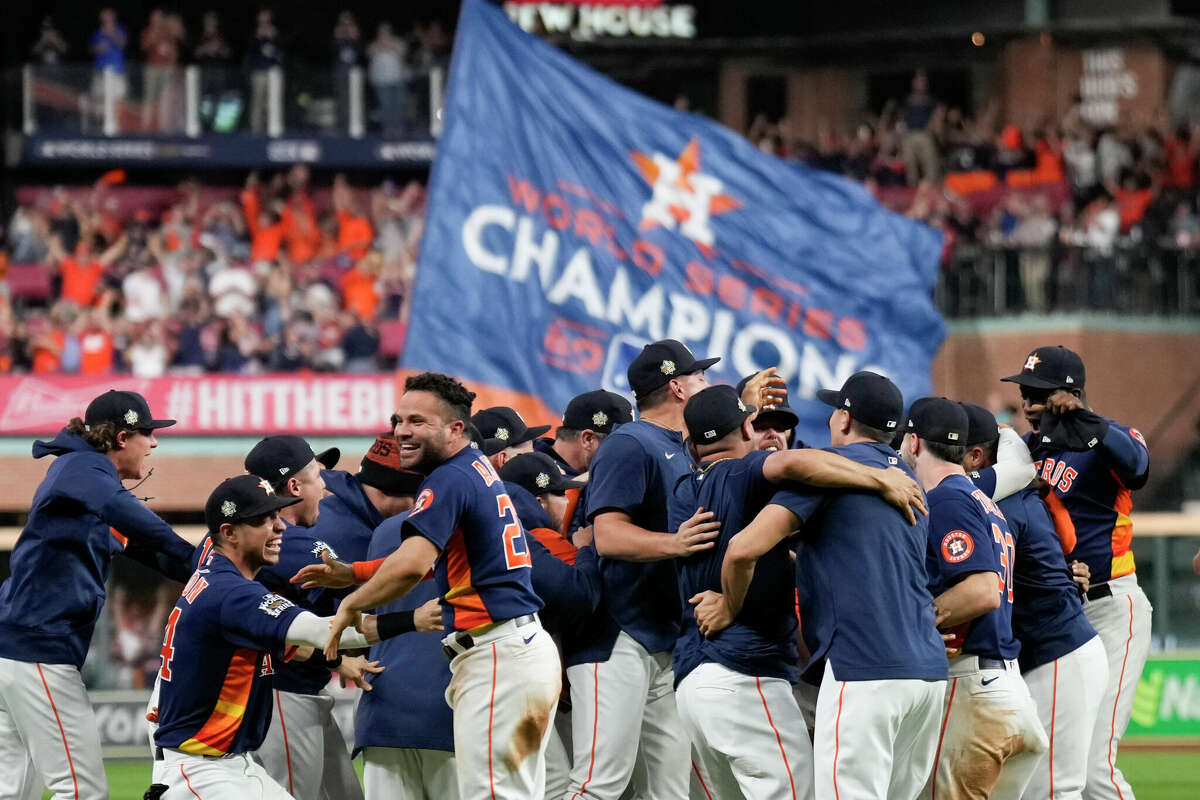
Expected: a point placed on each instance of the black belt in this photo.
(991, 663)
(464, 640)
(158, 753)
(1099, 592)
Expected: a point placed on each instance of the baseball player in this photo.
(51, 601)
(589, 417)
(734, 671)
(991, 738)
(505, 434)
(1092, 464)
(1062, 659)
(774, 428)
(505, 669)
(217, 664)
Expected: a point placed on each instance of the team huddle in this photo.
(691, 604)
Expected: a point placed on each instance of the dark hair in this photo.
(456, 396)
(874, 434)
(946, 452)
(103, 436)
(654, 398)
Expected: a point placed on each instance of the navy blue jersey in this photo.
(635, 471)
(483, 565)
(406, 706)
(216, 672)
(968, 534)
(80, 518)
(1094, 486)
(761, 641)
(861, 581)
(343, 529)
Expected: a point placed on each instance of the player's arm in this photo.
(334, 574)
(772, 525)
(1127, 455)
(147, 532)
(309, 630)
(826, 470)
(569, 590)
(1014, 468)
(618, 537)
(973, 596)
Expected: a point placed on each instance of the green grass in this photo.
(1153, 775)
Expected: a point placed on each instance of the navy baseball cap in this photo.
(781, 417)
(660, 362)
(981, 425)
(598, 411)
(505, 426)
(869, 398)
(381, 468)
(1051, 368)
(712, 413)
(938, 419)
(126, 410)
(242, 498)
(474, 436)
(537, 474)
(279, 457)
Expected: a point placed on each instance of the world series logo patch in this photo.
(957, 546)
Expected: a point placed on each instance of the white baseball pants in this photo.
(748, 734)
(504, 691)
(235, 777)
(305, 751)
(394, 773)
(1123, 622)
(990, 739)
(625, 727)
(48, 734)
(1067, 693)
(875, 740)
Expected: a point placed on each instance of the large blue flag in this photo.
(572, 220)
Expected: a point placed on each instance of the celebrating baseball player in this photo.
(506, 674)
(868, 616)
(1092, 464)
(51, 602)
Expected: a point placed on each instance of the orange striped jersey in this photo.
(1094, 488)
(483, 567)
(216, 670)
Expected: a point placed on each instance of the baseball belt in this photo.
(1099, 592)
(463, 641)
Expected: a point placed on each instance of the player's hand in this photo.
(583, 536)
(1082, 575)
(696, 534)
(344, 618)
(354, 670)
(765, 390)
(1063, 402)
(712, 613)
(428, 618)
(903, 493)
(330, 573)
(303, 653)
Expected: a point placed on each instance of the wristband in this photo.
(394, 624)
(363, 570)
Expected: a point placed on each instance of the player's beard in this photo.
(434, 451)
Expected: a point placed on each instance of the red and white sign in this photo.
(216, 405)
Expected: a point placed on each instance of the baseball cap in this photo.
(241, 498)
(127, 410)
(938, 419)
(781, 417)
(506, 426)
(1051, 368)
(661, 361)
(381, 468)
(474, 437)
(279, 457)
(537, 474)
(981, 425)
(870, 398)
(598, 411)
(713, 412)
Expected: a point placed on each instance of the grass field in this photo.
(1153, 775)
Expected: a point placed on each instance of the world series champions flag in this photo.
(572, 220)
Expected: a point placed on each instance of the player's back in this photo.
(215, 695)
(483, 569)
(861, 581)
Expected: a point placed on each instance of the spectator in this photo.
(1181, 150)
(1133, 196)
(360, 345)
(921, 115)
(386, 74)
(1034, 235)
(28, 236)
(360, 294)
(295, 349)
(354, 233)
(108, 48)
(265, 55)
(233, 290)
(144, 295)
(347, 55)
(81, 273)
(50, 48)
(1184, 228)
(160, 47)
(194, 347)
(96, 350)
(220, 105)
(148, 355)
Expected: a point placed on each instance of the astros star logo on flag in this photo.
(682, 195)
